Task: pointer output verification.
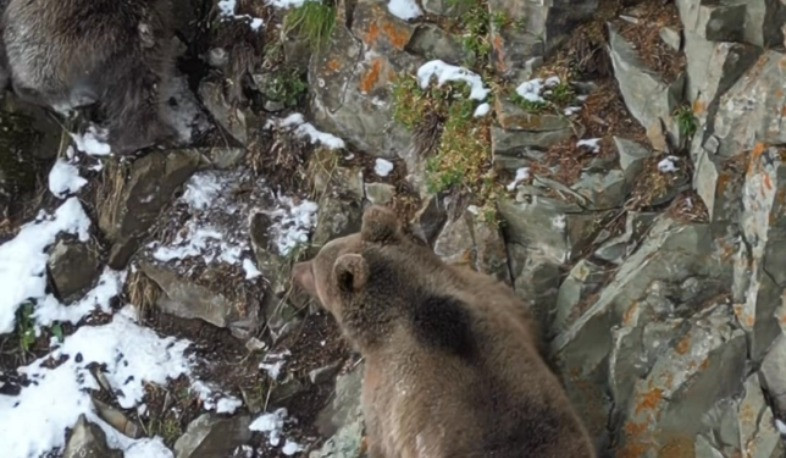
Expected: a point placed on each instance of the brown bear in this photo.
(452, 367)
(70, 53)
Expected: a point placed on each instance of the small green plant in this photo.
(286, 87)
(168, 428)
(463, 153)
(686, 121)
(313, 22)
(57, 331)
(530, 106)
(500, 20)
(409, 102)
(562, 94)
(25, 326)
(475, 39)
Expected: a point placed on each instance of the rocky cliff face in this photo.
(621, 164)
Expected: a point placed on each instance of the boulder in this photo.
(705, 366)
(753, 109)
(342, 420)
(210, 436)
(649, 99)
(643, 289)
(759, 278)
(88, 441)
(205, 262)
(352, 80)
(136, 193)
(773, 372)
(471, 241)
(73, 267)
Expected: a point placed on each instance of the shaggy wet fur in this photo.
(70, 53)
(452, 361)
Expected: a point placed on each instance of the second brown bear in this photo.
(119, 53)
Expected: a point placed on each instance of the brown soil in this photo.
(651, 17)
(603, 115)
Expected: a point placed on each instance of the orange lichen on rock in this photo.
(631, 314)
(683, 345)
(372, 35)
(650, 400)
(699, 108)
(370, 79)
(333, 65)
(398, 36)
(756, 153)
(499, 48)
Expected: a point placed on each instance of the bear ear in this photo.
(351, 272)
(380, 225)
(303, 276)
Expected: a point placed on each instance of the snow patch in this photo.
(383, 167)
(781, 426)
(404, 9)
(34, 422)
(64, 179)
(303, 129)
(273, 363)
(23, 258)
(292, 223)
(202, 190)
(250, 269)
(227, 9)
(570, 111)
(445, 72)
(522, 174)
(228, 405)
(668, 165)
(592, 144)
(110, 285)
(482, 110)
(272, 425)
(287, 3)
(93, 142)
(530, 90)
(205, 242)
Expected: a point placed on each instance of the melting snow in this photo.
(110, 285)
(228, 405)
(292, 223)
(482, 110)
(522, 174)
(206, 242)
(304, 129)
(530, 90)
(273, 363)
(92, 142)
(34, 422)
(383, 167)
(287, 3)
(64, 179)
(570, 111)
(202, 189)
(23, 260)
(272, 424)
(667, 165)
(404, 9)
(251, 270)
(446, 72)
(227, 9)
(781, 426)
(592, 144)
